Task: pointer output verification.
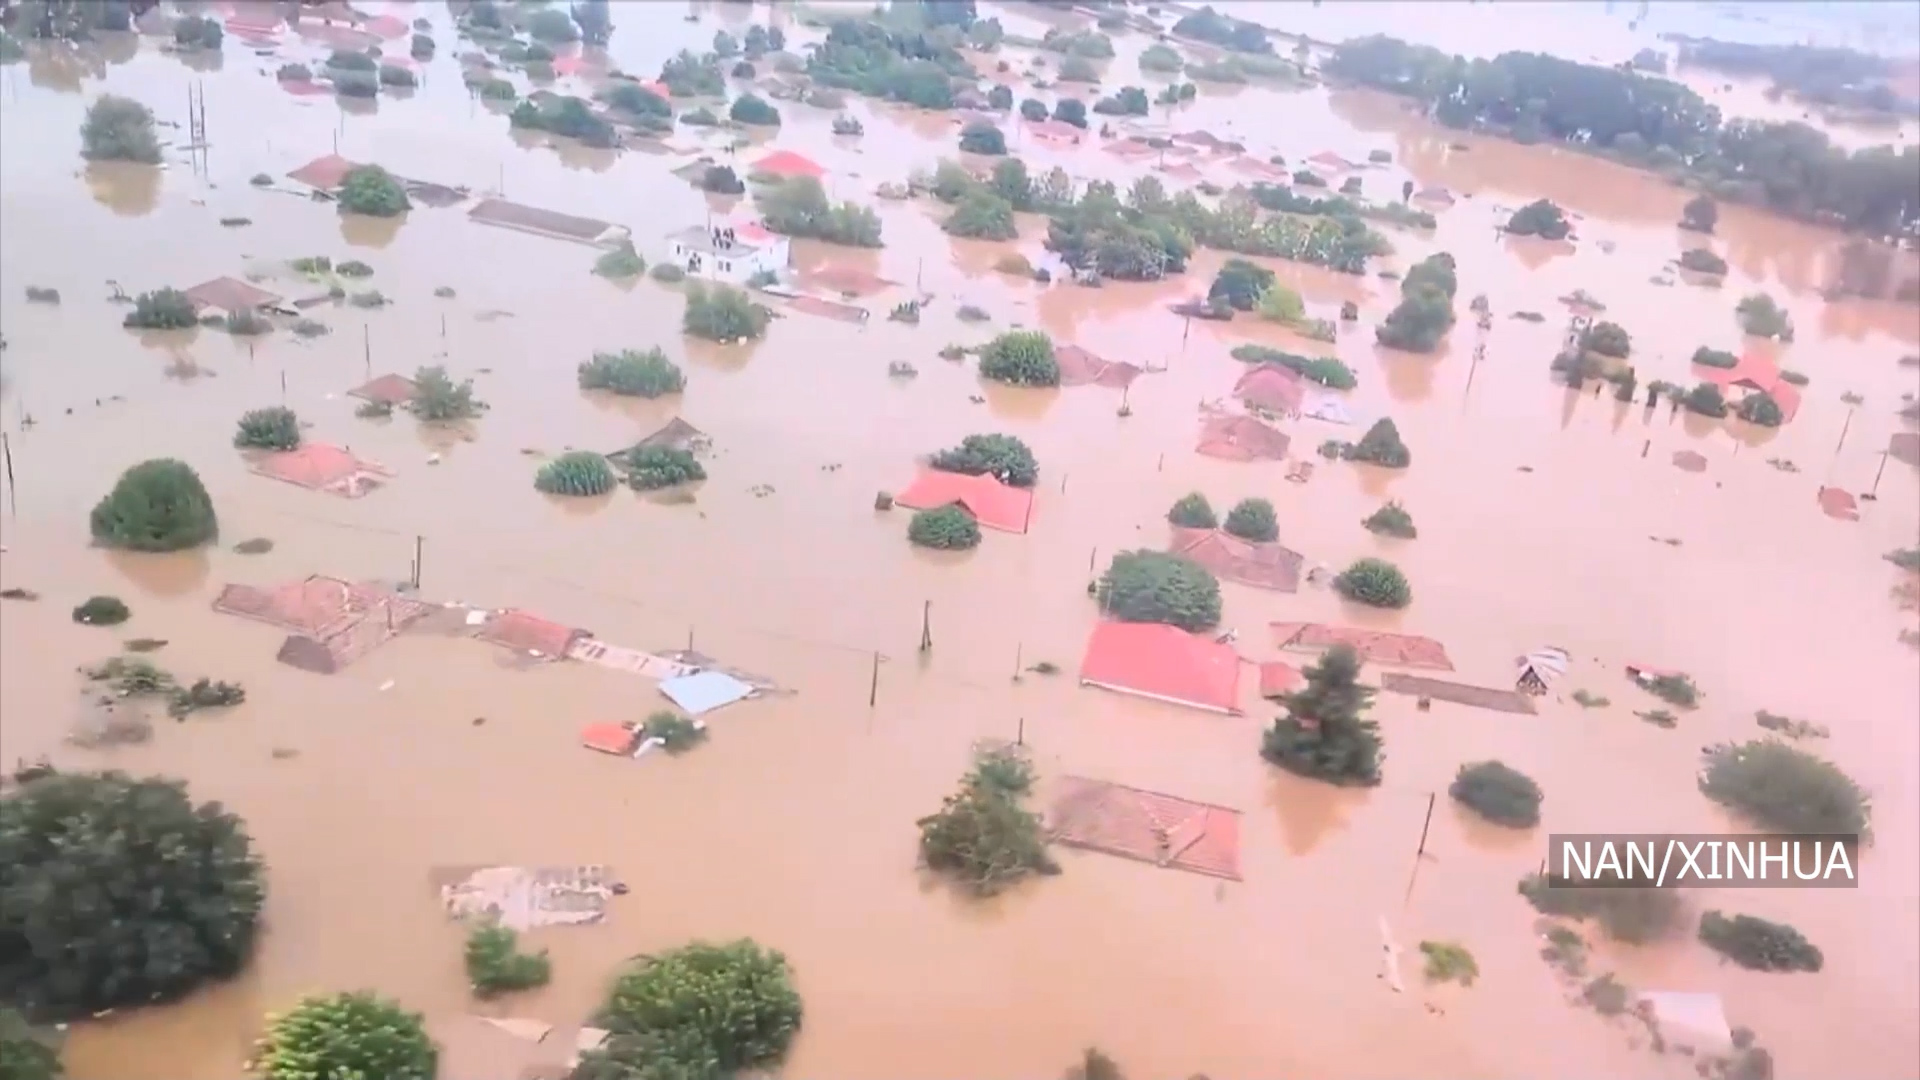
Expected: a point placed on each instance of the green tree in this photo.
(981, 137)
(1540, 218)
(342, 1036)
(799, 207)
(1784, 788)
(982, 835)
(157, 505)
(158, 895)
(1381, 446)
(1161, 58)
(751, 109)
(1071, 111)
(1418, 322)
(1280, 304)
(576, 472)
(1328, 371)
(1011, 182)
(1392, 520)
(702, 1010)
(275, 428)
(1240, 284)
(633, 98)
(945, 528)
(373, 191)
(1000, 98)
(1324, 733)
(1758, 944)
(1033, 109)
(1253, 519)
(1153, 586)
(650, 468)
(1715, 358)
(725, 45)
(553, 26)
(495, 964)
(1760, 316)
(162, 309)
(1607, 339)
(633, 373)
(1077, 69)
(1706, 400)
(119, 129)
(1193, 511)
(1699, 215)
(595, 19)
(982, 215)
(1498, 792)
(1702, 261)
(721, 313)
(1761, 410)
(1004, 457)
(1374, 582)
(438, 399)
(1020, 358)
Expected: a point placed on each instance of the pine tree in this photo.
(1325, 734)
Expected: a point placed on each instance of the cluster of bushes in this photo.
(162, 309)
(650, 468)
(1328, 371)
(1758, 944)
(633, 373)
(1380, 446)
(1607, 339)
(1156, 587)
(437, 398)
(621, 262)
(1540, 218)
(1004, 457)
(1374, 582)
(274, 428)
(576, 472)
(1760, 316)
(495, 964)
(1498, 792)
(1629, 914)
(1251, 519)
(566, 116)
(799, 207)
(754, 110)
(1425, 312)
(944, 528)
(1020, 358)
(157, 505)
(982, 215)
(721, 313)
(1324, 733)
(982, 836)
(1392, 520)
(981, 137)
(373, 191)
(1784, 788)
(347, 1034)
(1702, 261)
(696, 1011)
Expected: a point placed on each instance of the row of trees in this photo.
(1251, 519)
(1664, 125)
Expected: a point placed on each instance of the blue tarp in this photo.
(704, 691)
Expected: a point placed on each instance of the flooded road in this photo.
(1537, 511)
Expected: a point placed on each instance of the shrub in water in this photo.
(395, 75)
(157, 505)
(633, 373)
(982, 836)
(1760, 410)
(667, 273)
(621, 262)
(437, 397)
(495, 964)
(946, 528)
(1783, 787)
(351, 60)
(340, 1035)
(1253, 519)
(751, 109)
(1498, 792)
(577, 472)
(1391, 520)
(1702, 261)
(372, 190)
(274, 428)
(162, 309)
(651, 467)
(1193, 511)
(699, 1010)
(1633, 915)
(1325, 734)
(1758, 944)
(1375, 582)
(721, 313)
(173, 892)
(24, 1055)
(1153, 586)
(102, 611)
(119, 129)
(294, 73)
(1540, 218)
(1020, 358)
(1381, 446)
(1608, 339)
(1706, 400)
(1714, 358)
(1003, 457)
(676, 733)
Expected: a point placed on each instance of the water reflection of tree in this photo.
(580, 157)
(359, 230)
(1309, 811)
(127, 188)
(172, 574)
(201, 61)
(1018, 402)
(357, 106)
(117, 48)
(63, 66)
(1409, 377)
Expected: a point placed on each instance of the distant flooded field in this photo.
(1547, 517)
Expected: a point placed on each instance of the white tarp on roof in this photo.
(1327, 407)
(1697, 1022)
(705, 691)
(1549, 662)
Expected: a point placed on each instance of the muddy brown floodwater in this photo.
(794, 826)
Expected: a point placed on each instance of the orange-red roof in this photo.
(326, 173)
(1756, 372)
(608, 738)
(1279, 677)
(992, 503)
(1272, 387)
(788, 163)
(1163, 662)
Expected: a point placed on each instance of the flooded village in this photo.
(997, 540)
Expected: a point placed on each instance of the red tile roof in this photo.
(788, 163)
(1242, 438)
(1145, 825)
(1264, 566)
(609, 738)
(992, 503)
(1272, 387)
(523, 631)
(1375, 646)
(326, 173)
(230, 294)
(1279, 677)
(1327, 159)
(1839, 503)
(1081, 367)
(1756, 372)
(1163, 662)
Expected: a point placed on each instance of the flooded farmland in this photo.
(1542, 513)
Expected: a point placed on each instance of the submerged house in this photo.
(732, 254)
